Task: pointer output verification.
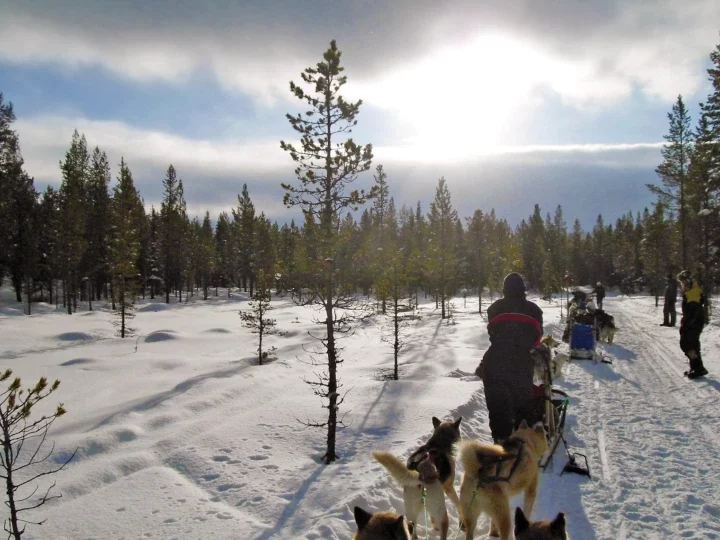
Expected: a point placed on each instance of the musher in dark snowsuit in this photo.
(692, 324)
(669, 313)
(515, 328)
(599, 294)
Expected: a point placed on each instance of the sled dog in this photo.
(431, 468)
(380, 526)
(539, 530)
(495, 473)
(543, 353)
(605, 324)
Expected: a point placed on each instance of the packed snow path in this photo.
(182, 435)
(661, 432)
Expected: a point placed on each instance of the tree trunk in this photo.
(122, 307)
(330, 455)
(90, 294)
(396, 345)
(14, 525)
(28, 286)
(260, 336)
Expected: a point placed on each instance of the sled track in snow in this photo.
(660, 456)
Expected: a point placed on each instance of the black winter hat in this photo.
(514, 285)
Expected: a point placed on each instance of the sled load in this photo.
(582, 342)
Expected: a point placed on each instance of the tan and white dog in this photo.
(544, 354)
(430, 469)
(495, 473)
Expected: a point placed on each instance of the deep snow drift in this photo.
(182, 435)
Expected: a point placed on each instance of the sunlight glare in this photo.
(461, 99)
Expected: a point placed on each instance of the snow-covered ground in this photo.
(182, 435)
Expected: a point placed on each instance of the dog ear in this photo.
(523, 424)
(400, 526)
(521, 522)
(558, 524)
(362, 517)
(539, 427)
(457, 423)
(436, 422)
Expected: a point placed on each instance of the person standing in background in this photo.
(692, 324)
(669, 313)
(599, 294)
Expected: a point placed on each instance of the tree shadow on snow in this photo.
(292, 506)
(180, 388)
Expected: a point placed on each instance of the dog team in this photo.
(492, 473)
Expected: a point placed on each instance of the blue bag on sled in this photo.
(582, 341)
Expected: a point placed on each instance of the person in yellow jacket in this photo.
(692, 323)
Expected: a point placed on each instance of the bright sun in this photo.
(461, 99)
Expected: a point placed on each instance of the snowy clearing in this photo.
(182, 435)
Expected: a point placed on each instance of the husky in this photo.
(495, 473)
(430, 469)
(543, 353)
(605, 324)
(380, 526)
(539, 530)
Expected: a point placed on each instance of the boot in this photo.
(673, 316)
(697, 369)
(696, 373)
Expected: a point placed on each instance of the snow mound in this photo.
(218, 331)
(160, 335)
(75, 336)
(78, 361)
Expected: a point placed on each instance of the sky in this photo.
(514, 102)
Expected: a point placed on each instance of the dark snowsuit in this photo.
(669, 314)
(692, 324)
(600, 296)
(515, 328)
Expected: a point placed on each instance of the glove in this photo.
(479, 370)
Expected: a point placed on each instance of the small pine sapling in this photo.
(19, 468)
(256, 318)
(402, 311)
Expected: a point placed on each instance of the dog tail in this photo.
(472, 454)
(397, 469)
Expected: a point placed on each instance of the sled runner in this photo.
(555, 404)
(549, 405)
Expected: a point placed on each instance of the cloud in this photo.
(214, 172)
(589, 53)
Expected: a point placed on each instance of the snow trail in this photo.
(659, 429)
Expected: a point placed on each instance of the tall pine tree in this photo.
(126, 216)
(326, 166)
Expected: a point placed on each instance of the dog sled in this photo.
(551, 405)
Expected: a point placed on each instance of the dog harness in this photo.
(495, 463)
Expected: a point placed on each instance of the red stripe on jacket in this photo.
(518, 317)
